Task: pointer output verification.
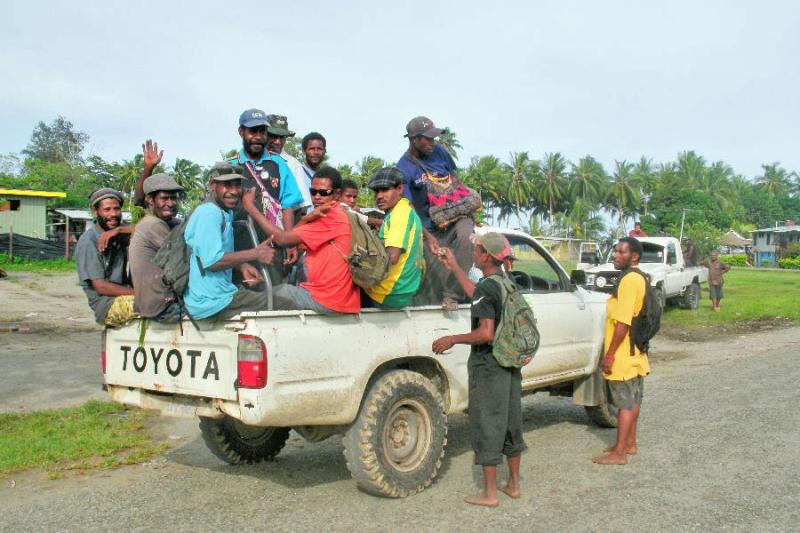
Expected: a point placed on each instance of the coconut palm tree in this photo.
(691, 167)
(449, 140)
(519, 186)
(623, 197)
(775, 180)
(488, 176)
(589, 180)
(551, 182)
(645, 178)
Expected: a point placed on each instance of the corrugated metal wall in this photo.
(29, 220)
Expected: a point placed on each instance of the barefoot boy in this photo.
(495, 408)
(623, 369)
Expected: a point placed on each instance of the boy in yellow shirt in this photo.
(623, 369)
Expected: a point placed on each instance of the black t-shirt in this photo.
(487, 302)
(270, 176)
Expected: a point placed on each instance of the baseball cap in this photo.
(495, 244)
(385, 178)
(101, 194)
(160, 182)
(422, 126)
(252, 118)
(224, 171)
(278, 125)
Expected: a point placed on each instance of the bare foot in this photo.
(610, 459)
(630, 450)
(481, 499)
(508, 491)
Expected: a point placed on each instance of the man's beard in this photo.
(248, 148)
(103, 222)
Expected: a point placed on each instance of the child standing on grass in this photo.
(495, 405)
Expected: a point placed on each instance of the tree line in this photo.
(548, 196)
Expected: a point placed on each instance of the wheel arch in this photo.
(427, 366)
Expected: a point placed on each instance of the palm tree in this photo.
(775, 181)
(622, 196)
(365, 168)
(551, 181)
(645, 178)
(188, 174)
(488, 176)
(716, 183)
(691, 167)
(519, 185)
(582, 221)
(589, 180)
(449, 140)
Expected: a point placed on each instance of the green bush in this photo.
(734, 260)
(793, 264)
(790, 251)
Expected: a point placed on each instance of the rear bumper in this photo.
(172, 405)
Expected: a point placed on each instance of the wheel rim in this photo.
(251, 435)
(407, 435)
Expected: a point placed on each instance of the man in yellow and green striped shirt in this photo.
(401, 233)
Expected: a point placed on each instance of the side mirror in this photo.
(577, 277)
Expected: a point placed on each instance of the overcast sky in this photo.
(616, 80)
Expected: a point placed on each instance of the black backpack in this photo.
(646, 324)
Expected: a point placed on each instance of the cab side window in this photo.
(672, 256)
(532, 271)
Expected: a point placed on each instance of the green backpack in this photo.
(367, 258)
(516, 337)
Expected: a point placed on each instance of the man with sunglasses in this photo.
(325, 236)
(277, 192)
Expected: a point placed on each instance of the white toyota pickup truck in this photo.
(371, 377)
(662, 259)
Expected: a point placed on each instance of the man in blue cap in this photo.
(277, 193)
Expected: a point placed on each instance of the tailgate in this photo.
(199, 363)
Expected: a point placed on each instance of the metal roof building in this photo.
(25, 211)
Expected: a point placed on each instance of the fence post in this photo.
(11, 243)
(66, 238)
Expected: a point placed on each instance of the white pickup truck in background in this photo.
(662, 260)
(371, 377)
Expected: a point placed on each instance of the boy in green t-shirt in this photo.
(401, 233)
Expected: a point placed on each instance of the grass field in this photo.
(44, 265)
(95, 435)
(750, 295)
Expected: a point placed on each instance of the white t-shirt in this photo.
(300, 176)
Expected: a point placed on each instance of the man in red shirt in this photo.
(325, 237)
(637, 231)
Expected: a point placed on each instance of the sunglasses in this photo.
(321, 192)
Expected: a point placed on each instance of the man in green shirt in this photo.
(401, 233)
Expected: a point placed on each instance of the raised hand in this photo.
(291, 256)
(152, 157)
(105, 238)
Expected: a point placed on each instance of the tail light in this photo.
(252, 362)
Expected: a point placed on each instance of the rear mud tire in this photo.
(691, 298)
(603, 414)
(396, 445)
(236, 443)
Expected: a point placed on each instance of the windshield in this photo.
(653, 253)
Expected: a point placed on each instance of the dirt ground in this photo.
(719, 437)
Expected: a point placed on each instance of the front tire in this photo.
(396, 445)
(691, 297)
(603, 414)
(236, 443)
(661, 296)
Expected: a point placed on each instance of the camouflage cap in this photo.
(224, 171)
(278, 125)
(386, 178)
(422, 126)
(106, 192)
(161, 182)
(495, 244)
